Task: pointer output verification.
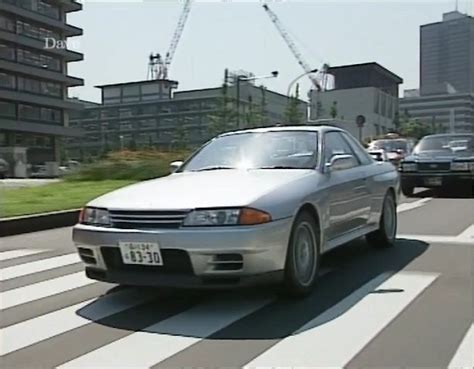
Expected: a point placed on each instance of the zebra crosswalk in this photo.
(145, 328)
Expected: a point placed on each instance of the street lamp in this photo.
(239, 78)
(296, 79)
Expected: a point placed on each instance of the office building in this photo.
(447, 55)
(367, 90)
(34, 57)
(152, 114)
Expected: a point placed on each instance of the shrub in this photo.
(128, 165)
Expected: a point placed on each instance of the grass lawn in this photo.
(55, 196)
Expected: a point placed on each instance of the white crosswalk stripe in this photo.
(13, 254)
(38, 266)
(464, 357)
(365, 312)
(38, 329)
(413, 205)
(339, 333)
(40, 290)
(166, 338)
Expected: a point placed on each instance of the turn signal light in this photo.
(249, 216)
(81, 215)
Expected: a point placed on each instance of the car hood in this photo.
(189, 190)
(440, 156)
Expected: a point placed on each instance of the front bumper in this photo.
(417, 179)
(192, 256)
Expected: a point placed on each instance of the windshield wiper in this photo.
(215, 167)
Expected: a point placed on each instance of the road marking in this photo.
(38, 266)
(412, 205)
(13, 254)
(464, 357)
(40, 290)
(468, 234)
(333, 338)
(166, 338)
(29, 332)
(466, 237)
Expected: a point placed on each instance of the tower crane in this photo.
(158, 67)
(296, 53)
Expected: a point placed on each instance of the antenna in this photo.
(457, 5)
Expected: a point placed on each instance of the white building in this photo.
(367, 90)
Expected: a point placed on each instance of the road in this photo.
(408, 306)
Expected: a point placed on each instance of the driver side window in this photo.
(335, 144)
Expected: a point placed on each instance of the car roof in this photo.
(451, 135)
(308, 128)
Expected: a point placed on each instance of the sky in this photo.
(237, 34)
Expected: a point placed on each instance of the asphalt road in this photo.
(409, 306)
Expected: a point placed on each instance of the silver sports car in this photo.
(253, 206)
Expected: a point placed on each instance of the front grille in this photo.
(128, 219)
(434, 167)
(174, 261)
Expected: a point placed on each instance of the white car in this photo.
(254, 206)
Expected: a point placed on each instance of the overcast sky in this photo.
(119, 36)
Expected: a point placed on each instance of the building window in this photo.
(51, 115)
(29, 112)
(7, 80)
(7, 52)
(7, 109)
(39, 87)
(3, 139)
(37, 32)
(38, 60)
(7, 24)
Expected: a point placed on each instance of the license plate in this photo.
(433, 181)
(140, 253)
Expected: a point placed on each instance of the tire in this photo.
(386, 234)
(301, 274)
(407, 189)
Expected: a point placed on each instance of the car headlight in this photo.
(94, 216)
(409, 167)
(226, 217)
(460, 166)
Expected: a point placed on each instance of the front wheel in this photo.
(407, 189)
(302, 260)
(386, 234)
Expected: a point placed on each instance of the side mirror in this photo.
(341, 162)
(174, 166)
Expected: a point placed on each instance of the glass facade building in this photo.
(34, 106)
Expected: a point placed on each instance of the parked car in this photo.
(248, 207)
(4, 167)
(395, 148)
(378, 155)
(439, 161)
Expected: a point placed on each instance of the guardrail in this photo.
(38, 222)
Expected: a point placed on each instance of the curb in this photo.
(38, 222)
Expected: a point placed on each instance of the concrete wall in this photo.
(377, 107)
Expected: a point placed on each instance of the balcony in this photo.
(67, 29)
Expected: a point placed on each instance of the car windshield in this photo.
(257, 150)
(448, 143)
(390, 145)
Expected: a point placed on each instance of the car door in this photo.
(346, 188)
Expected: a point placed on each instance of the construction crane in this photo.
(158, 67)
(296, 53)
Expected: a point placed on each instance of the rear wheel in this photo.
(302, 260)
(407, 188)
(386, 234)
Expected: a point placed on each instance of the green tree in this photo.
(333, 110)
(293, 114)
(225, 117)
(414, 128)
